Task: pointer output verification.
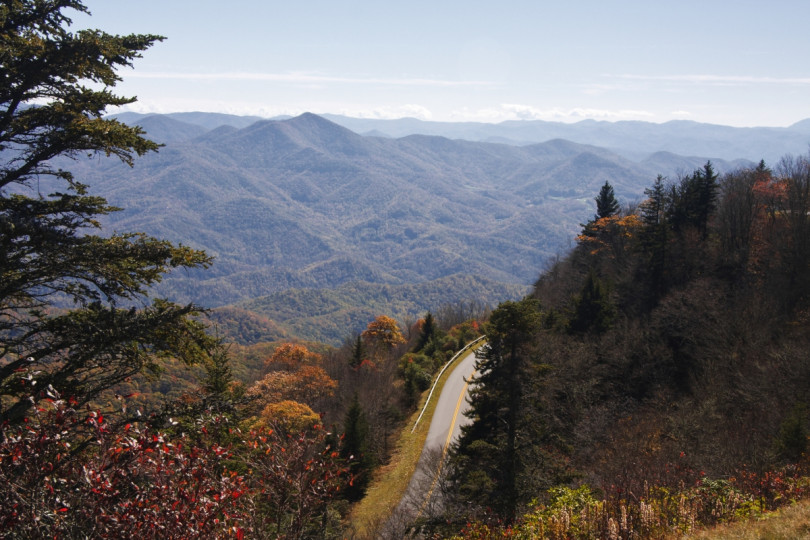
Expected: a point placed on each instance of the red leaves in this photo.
(139, 482)
(297, 475)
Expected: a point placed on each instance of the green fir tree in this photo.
(54, 91)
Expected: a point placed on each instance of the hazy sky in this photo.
(735, 62)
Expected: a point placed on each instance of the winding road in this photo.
(445, 428)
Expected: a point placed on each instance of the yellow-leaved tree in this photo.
(381, 336)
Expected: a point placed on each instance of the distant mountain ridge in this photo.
(632, 139)
(305, 203)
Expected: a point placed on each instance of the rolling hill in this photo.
(631, 139)
(306, 203)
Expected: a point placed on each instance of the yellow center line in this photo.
(446, 444)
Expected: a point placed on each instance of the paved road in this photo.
(445, 428)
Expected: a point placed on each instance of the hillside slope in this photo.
(305, 203)
(329, 315)
(664, 359)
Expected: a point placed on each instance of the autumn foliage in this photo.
(291, 356)
(66, 474)
(665, 384)
(306, 384)
(381, 336)
(295, 383)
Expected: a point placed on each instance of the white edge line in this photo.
(439, 376)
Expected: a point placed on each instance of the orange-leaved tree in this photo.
(306, 384)
(291, 356)
(381, 336)
(292, 388)
(290, 416)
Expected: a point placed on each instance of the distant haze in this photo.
(305, 215)
(305, 202)
(729, 63)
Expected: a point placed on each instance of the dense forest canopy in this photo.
(669, 346)
(654, 378)
(54, 90)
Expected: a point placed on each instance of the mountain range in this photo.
(632, 139)
(307, 203)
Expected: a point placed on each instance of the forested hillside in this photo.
(331, 315)
(83, 337)
(661, 367)
(305, 203)
(654, 379)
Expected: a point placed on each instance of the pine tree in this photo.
(606, 203)
(488, 461)
(54, 89)
(707, 197)
(655, 237)
(354, 449)
(693, 201)
(358, 352)
(218, 377)
(593, 311)
(428, 332)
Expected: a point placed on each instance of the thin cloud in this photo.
(390, 112)
(267, 111)
(304, 78)
(512, 111)
(718, 79)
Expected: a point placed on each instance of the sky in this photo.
(731, 62)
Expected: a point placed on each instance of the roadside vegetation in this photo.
(370, 517)
(656, 379)
(789, 523)
(120, 414)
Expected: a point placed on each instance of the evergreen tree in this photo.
(428, 332)
(593, 311)
(707, 198)
(218, 377)
(606, 206)
(693, 200)
(355, 449)
(54, 90)
(655, 238)
(606, 203)
(488, 461)
(358, 352)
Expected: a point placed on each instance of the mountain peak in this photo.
(802, 125)
(267, 141)
(312, 131)
(312, 122)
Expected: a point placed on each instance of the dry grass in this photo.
(790, 523)
(390, 481)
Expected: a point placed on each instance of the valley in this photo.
(306, 204)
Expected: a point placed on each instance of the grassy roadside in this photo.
(789, 523)
(390, 481)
